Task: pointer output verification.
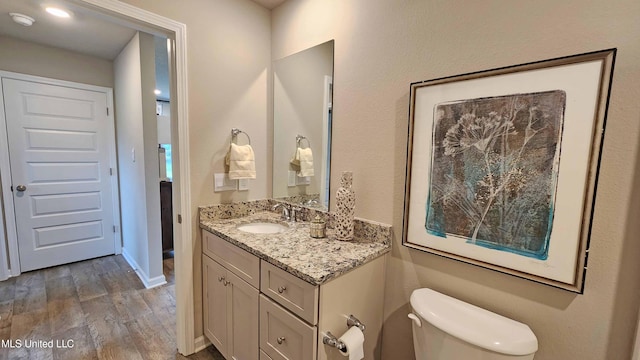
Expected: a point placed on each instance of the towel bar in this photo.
(234, 135)
(299, 139)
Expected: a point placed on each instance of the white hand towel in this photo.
(305, 158)
(295, 160)
(241, 161)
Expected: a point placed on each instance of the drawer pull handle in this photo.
(226, 282)
(221, 278)
(281, 339)
(282, 289)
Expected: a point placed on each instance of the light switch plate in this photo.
(243, 184)
(294, 180)
(222, 182)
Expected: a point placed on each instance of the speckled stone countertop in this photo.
(294, 250)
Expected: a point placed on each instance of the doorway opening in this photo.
(142, 20)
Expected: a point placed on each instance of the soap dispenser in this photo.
(318, 227)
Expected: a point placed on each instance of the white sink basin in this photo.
(262, 228)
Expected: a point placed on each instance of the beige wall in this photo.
(381, 46)
(136, 130)
(33, 59)
(228, 61)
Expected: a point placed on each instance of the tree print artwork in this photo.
(494, 170)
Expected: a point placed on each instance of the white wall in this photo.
(228, 61)
(136, 132)
(33, 59)
(381, 46)
(164, 122)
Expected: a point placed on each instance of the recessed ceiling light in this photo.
(157, 92)
(58, 12)
(22, 19)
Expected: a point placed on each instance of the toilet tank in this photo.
(446, 328)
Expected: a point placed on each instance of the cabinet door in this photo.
(215, 303)
(242, 319)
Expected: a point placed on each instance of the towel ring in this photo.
(299, 139)
(234, 135)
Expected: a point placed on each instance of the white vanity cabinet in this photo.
(288, 317)
(230, 303)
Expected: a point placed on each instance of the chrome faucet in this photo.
(286, 210)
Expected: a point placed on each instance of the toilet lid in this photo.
(474, 325)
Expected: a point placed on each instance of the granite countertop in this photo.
(294, 250)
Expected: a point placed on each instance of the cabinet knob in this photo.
(281, 339)
(282, 289)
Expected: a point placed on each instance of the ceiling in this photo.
(86, 32)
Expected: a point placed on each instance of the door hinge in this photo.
(11, 188)
(107, 111)
(114, 228)
(179, 219)
(111, 171)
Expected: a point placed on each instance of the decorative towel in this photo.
(241, 161)
(304, 157)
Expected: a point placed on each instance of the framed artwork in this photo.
(502, 166)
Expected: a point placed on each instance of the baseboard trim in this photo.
(201, 343)
(148, 282)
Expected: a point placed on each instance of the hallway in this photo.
(98, 308)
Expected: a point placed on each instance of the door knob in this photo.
(21, 188)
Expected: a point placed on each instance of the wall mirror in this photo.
(302, 112)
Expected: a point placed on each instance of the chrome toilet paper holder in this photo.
(353, 321)
(333, 341)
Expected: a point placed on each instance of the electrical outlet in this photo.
(306, 180)
(291, 179)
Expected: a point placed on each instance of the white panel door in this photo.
(59, 150)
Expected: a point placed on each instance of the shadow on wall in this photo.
(481, 277)
(401, 324)
(630, 268)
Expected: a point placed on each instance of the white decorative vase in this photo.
(345, 208)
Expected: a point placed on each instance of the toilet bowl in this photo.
(445, 328)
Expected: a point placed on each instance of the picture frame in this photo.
(502, 166)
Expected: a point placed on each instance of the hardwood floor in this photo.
(94, 309)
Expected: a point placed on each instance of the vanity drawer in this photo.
(283, 336)
(293, 293)
(242, 263)
(264, 356)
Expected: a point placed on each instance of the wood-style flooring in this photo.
(94, 309)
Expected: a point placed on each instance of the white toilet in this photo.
(445, 328)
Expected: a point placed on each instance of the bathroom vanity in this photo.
(273, 296)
